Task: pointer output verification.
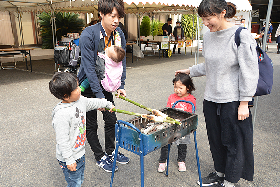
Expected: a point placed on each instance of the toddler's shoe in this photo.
(161, 167)
(182, 166)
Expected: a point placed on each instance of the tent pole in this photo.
(264, 46)
(267, 21)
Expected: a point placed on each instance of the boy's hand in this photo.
(186, 71)
(121, 92)
(111, 110)
(243, 110)
(72, 167)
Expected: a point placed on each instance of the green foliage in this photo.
(189, 23)
(145, 27)
(65, 23)
(156, 28)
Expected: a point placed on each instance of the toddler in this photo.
(183, 87)
(69, 123)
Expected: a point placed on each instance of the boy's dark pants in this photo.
(92, 126)
(182, 152)
(230, 139)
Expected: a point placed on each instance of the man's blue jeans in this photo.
(74, 178)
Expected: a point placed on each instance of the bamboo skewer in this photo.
(146, 108)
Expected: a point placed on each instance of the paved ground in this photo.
(27, 151)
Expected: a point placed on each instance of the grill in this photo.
(128, 132)
(130, 137)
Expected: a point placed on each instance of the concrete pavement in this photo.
(28, 141)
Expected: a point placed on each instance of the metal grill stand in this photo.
(129, 137)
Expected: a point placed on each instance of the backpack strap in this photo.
(237, 35)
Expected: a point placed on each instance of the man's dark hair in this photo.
(62, 84)
(120, 54)
(106, 6)
(186, 80)
(169, 19)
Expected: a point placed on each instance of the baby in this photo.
(110, 76)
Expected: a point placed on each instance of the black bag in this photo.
(265, 81)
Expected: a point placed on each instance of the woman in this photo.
(232, 77)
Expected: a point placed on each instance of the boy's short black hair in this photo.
(62, 84)
(186, 80)
(169, 19)
(106, 6)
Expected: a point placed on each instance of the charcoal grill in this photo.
(129, 137)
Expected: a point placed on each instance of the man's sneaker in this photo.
(182, 166)
(161, 167)
(211, 179)
(120, 158)
(106, 164)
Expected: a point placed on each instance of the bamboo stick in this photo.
(146, 108)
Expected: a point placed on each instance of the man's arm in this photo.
(88, 61)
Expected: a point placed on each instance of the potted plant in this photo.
(65, 23)
(145, 27)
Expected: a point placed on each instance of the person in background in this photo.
(277, 35)
(270, 28)
(231, 80)
(167, 28)
(178, 33)
(167, 31)
(242, 23)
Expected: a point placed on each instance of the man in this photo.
(167, 28)
(96, 39)
(242, 23)
(178, 34)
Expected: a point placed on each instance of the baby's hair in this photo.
(62, 84)
(214, 7)
(120, 54)
(186, 80)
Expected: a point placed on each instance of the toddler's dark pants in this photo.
(182, 152)
(230, 139)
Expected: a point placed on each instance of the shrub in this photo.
(145, 27)
(65, 23)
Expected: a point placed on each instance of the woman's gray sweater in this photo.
(232, 73)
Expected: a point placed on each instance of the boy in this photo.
(69, 123)
(96, 39)
(112, 60)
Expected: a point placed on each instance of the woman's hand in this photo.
(243, 110)
(186, 71)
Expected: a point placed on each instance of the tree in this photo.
(156, 28)
(65, 23)
(145, 27)
(189, 23)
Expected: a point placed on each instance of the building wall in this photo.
(6, 36)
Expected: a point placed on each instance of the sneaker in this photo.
(161, 167)
(219, 184)
(120, 158)
(211, 179)
(106, 163)
(182, 166)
